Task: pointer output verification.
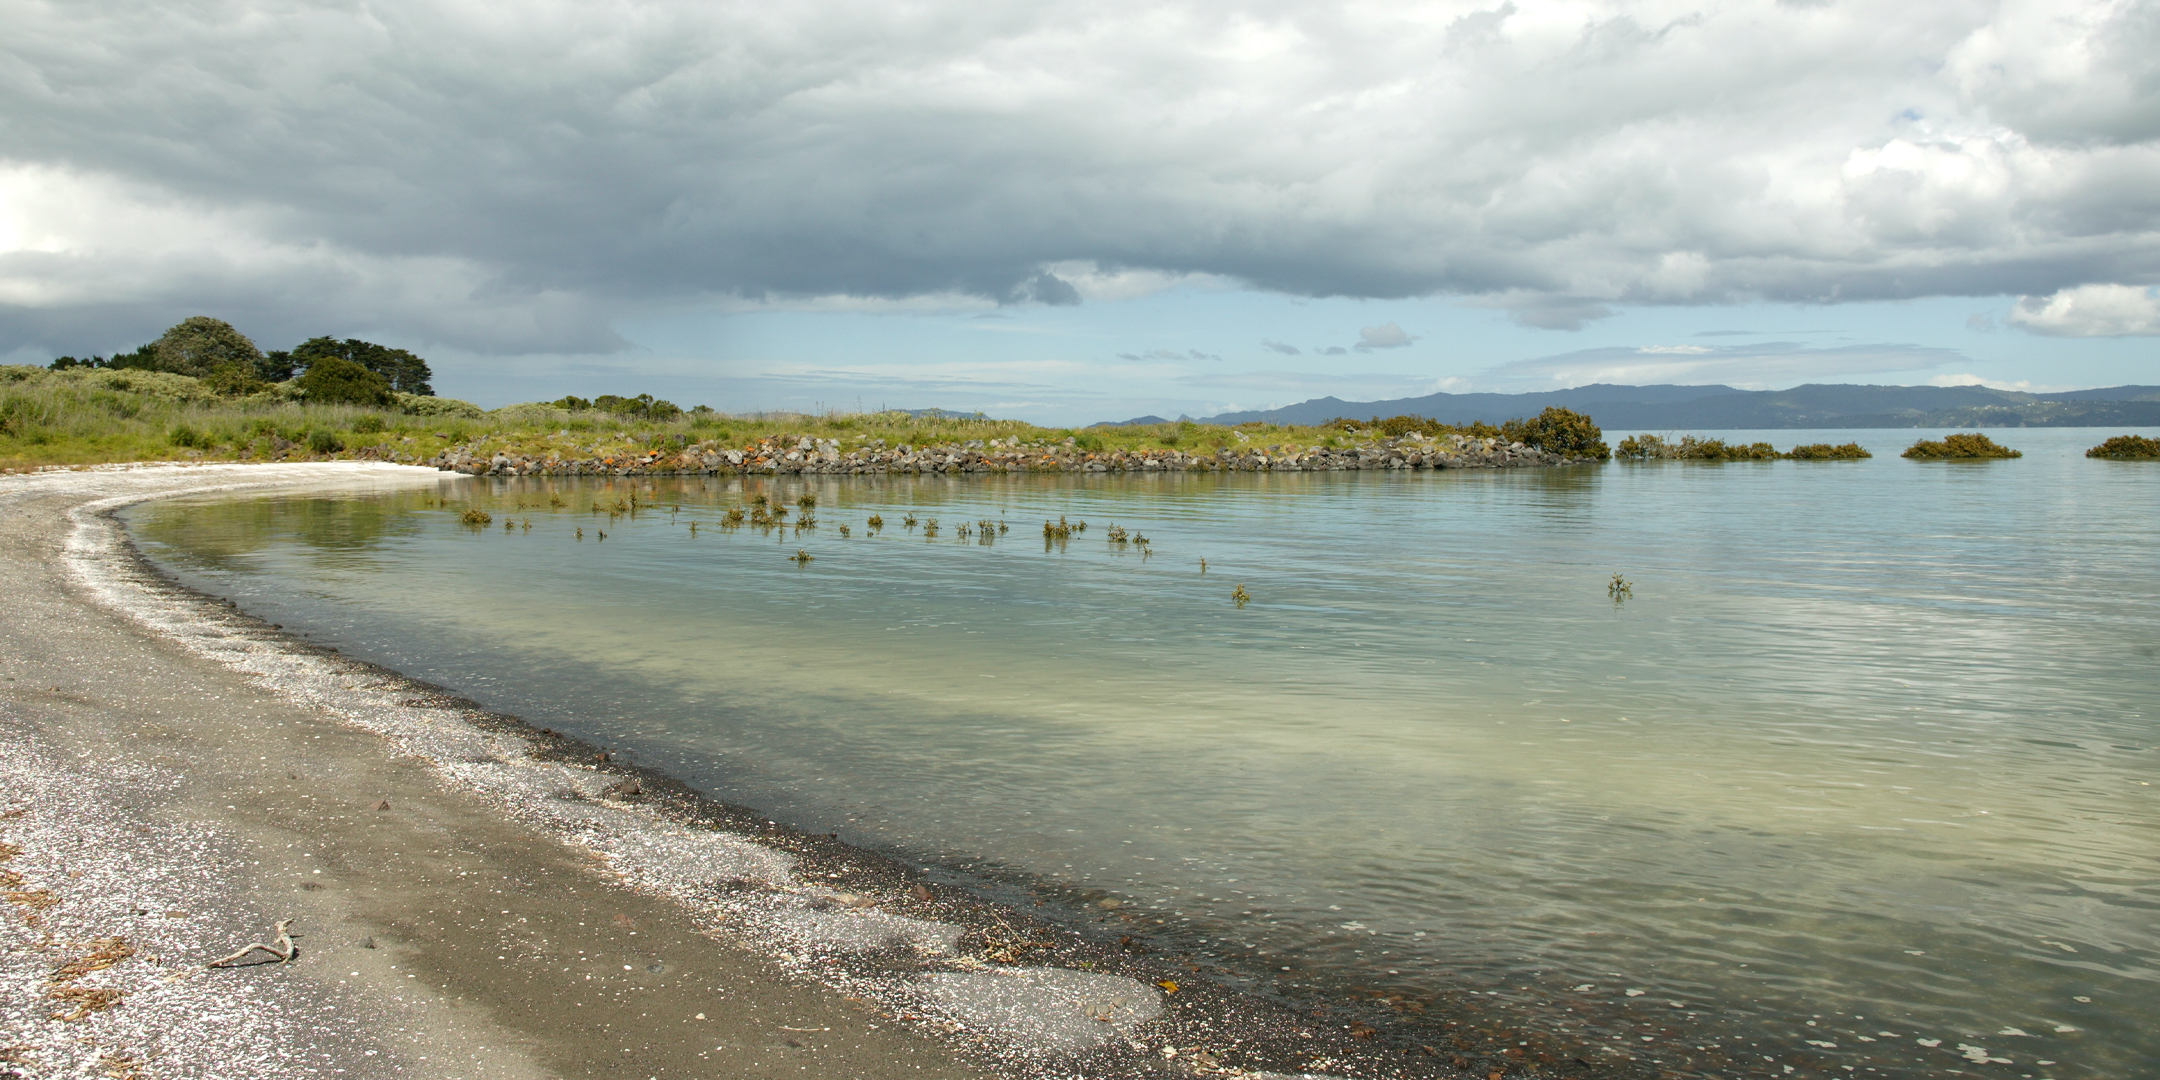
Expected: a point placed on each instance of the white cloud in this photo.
(2091, 311)
(1969, 379)
(437, 169)
(1386, 336)
(1747, 366)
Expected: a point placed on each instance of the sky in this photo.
(1069, 213)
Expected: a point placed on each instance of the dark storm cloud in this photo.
(511, 178)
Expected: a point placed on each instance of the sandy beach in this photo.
(469, 897)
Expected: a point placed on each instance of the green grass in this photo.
(92, 416)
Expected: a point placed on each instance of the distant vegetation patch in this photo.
(1971, 446)
(1556, 430)
(1690, 448)
(1823, 451)
(2127, 448)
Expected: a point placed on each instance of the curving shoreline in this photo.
(805, 455)
(924, 979)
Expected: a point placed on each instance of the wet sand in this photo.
(471, 897)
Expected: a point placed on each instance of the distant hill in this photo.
(1666, 407)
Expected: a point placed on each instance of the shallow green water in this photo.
(1869, 758)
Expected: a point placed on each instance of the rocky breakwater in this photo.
(832, 457)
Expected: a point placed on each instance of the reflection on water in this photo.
(1862, 776)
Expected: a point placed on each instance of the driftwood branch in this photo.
(284, 950)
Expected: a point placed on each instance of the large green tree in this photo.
(334, 380)
(201, 345)
(405, 372)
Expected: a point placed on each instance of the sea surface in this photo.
(1860, 781)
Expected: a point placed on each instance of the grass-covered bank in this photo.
(85, 415)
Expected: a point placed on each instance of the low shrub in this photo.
(321, 441)
(2127, 448)
(1690, 448)
(1822, 451)
(1967, 446)
(187, 438)
(1559, 431)
(368, 424)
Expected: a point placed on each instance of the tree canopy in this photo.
(200, 345)
(334, 380)
(405, 372)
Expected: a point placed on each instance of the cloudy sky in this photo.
(1074, 212)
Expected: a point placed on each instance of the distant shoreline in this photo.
(824, 457)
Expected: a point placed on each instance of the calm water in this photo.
(1867, 762)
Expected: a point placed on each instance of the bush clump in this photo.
(187, 438)
(324, 441)
(1690, 448)
(1559, 431)
(2127, 448)
(1968, 446)
(369, 424)
(1823, 451)
(334, 380)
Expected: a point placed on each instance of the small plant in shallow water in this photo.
(844, 532)
(908, 521)
(961, 531)
(1619, 588)
(2127, 448)
(759, 500)
(733, 518)
(1117, 534)
(1203, 566)
(929, 528)
(876, 522)
(477, 517)
(807, 501)
(800, 557)
(581, 532)
(1240, 595)
(1964, 446)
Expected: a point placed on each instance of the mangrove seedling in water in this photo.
(733, 518)
(929, 528)
(2127, 448)
(908, 521)
(961, 531)
(1203, 566)
(1619, 588)
(1059, 529)
(1003, 528)
(581, 532)
(843, 532)
(1117, 534)
(477, 517)
(800, 557)
(1965, 446)
(1240, 595)
(807, 501)
(876, 522)
(758, 500)
(602, 532)
(693, 530)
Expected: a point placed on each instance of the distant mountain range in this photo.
(1667, 407)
